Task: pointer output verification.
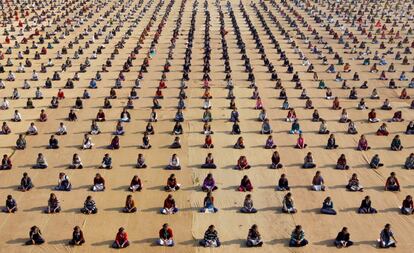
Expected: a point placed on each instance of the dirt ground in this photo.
(188, 224)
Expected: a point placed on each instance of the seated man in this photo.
(169, 205)
(387, 239)
(40, 162)
(32, 130)
(89, 207)
(166, 236)
(62, 130)
(25, 183)
(295, 129)
(318, 183)
(396, 143)
(211, 238)
(382, 130)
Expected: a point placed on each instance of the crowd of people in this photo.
(373, 40)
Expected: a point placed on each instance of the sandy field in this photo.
(189, 224)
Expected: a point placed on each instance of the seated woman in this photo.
(53, 205)
(331, 142)
(363, 144)
(344, 117)
(235, 128)
(166, 236)
(382, 130)
(372, 116)
(396, 144)
(207, 129)
(179, 116)
(149, 129)
(242, 163)
(407, 206)
(172, 184)
(211, 238)
(404, 94)
(107, 103)
(300, 143)
(145, 142)
(327, 207)
(276, 161)
(53, 143)
(174, 163)
(6, 163)
(386, 105)
(245, 184)
(178, 129)
(209, 183)
(114, 143)
(239, 143)
(11, 205)
(366, 206)
(374, 94)
(169, 206)
(89, 206)
(295, 128)
(351, 128)
(209, 162)
(392, 183)
(375, 162)
(362, 105)
(32, 130)
(315, 116)
(63, 183)
(341, 164)
(125, 116)
(248, 205)
(87, 142)
(5, 129)
(119, 129)
(308, 104)
(208, 204)
(176, 143)
(291, 116)
(283, 183)
(335, 104)
(106, 162)
(36, 237)
(397, 117)
(288, 205)
(285, 105)
(270, 143)
(266, 128)
(140, 162)
(208, 142)
(234, 116)
(343, 239)
(77, 237)
(353, 184)
(136, 184)
(121, 239)
(308, 161)
(387, 239)
(323, 128)
(207, 117)
(262, 115)
(40, 162)
(98, 183)
(318, 183)
(297, 238)
(254, 238)
(409, 162)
